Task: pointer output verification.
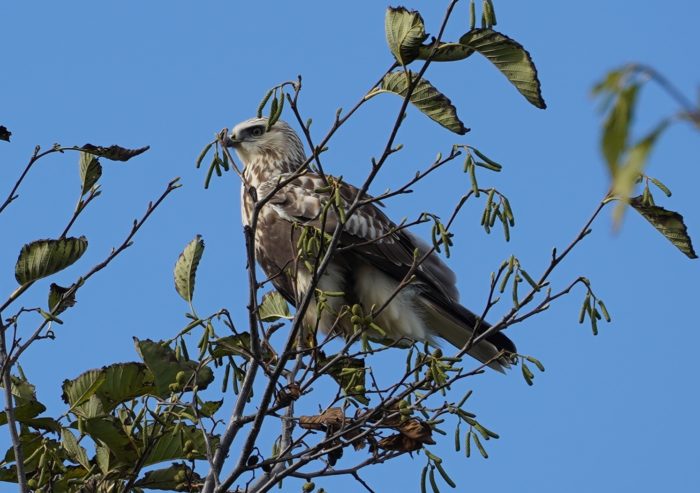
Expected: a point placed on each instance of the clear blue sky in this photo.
(616, 412)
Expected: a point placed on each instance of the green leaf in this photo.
(209, 408)
(165, 366)
(24, 412)
(668, 223)
(29, 443)
(511, 59)
(405, 33)
(108, 431)
(186, 268)
(115, 152)
(350, 374)
(445, 52)
(73, 448)
(57, 303)
(124, 382)
(273, 307)
(97, 392)
(425, 97)
(80, 390)
(236, 345)
(102, 458)
(168, 478)
(43, 423)
(90, 172)
(170, 445)
(42, 258)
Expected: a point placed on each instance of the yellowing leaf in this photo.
(616, 127)
(42, 258)
(273, 307)
(186, 268)
(405, 32)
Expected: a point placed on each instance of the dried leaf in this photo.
(5, 133)
(331, 419)
(417, 430)
(114, 152)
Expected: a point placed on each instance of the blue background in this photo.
(616, 412)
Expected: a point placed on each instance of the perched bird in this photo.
(373, 258)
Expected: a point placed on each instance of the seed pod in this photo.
(604, 309)
(433, 483)
(264, 101)
(444, 475)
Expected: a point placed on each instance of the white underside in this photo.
(400, 319)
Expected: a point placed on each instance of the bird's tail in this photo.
(456, 326)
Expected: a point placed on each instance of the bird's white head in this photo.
(277, 149)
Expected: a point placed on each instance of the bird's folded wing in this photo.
(367, 232)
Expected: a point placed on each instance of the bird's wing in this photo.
(369, 233)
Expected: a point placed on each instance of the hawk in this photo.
(373, 257)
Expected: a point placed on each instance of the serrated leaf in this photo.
(5, 133)
(668, 223)
(114, 152)
(57, 303)
(73, 448)
(80, 390)
(97, 392)
(123, 382)
(42, 258)
(90, 171)
(511, 59)
(168, 478)
(186, 268)
(405, 33)
(445, 52)
(426, 98)
(273, 307)
(165, 366)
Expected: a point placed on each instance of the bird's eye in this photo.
(257, 131)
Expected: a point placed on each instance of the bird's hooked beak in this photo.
(231, 140)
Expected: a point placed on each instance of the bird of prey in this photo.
(373, 257)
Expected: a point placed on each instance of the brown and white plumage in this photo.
(374, 255)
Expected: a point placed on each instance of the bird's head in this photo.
(279, 144)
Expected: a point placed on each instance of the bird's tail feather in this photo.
(456, 326)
